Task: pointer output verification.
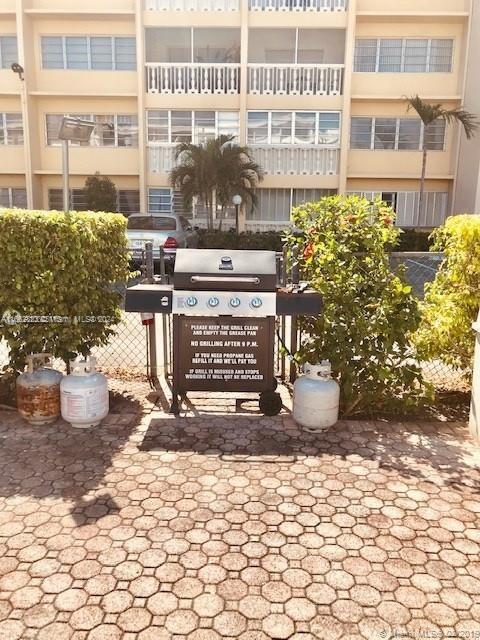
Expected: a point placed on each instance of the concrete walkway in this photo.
(223, 525)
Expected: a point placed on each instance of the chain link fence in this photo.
(126, 355)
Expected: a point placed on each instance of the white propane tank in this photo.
(38, 390)
(84, 395)
(316, 397)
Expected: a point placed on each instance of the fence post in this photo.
(151, 328)
(474, 422)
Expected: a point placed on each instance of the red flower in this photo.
(308, 251)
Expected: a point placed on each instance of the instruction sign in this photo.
(223, 353)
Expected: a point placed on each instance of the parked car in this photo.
(169, 231)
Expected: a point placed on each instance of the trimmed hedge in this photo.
(272, 240)
(267, 241)
(56, 277)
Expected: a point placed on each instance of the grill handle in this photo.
(230, 279)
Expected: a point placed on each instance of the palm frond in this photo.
(469, 121)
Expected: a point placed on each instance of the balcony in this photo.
(192, 5)
(297, 160)
(193, 78)
(297, 5)
(295, 79)
(275, 160)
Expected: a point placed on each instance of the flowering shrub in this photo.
(369, 312)
(452, 300)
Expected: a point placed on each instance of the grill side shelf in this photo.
(149, 298)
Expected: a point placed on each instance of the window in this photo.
(296, 46)
(13, 197)
(11, 129)
(408, 55)
(294, 127)
(192, 44)
(109, 131)
(405, 204)
(150, 222)
(89, 52)
(395, 133)
(128, 200)
(172, 127)
(275, 205)
(8, 51)
(159, 200)
(385, 133)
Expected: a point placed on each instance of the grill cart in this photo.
(224, 305)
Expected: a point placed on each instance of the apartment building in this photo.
(316, 88)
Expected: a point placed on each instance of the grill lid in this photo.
(225, 270)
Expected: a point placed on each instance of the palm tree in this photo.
(428, 114)
(214, 172)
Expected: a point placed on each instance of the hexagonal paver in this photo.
(234, 525)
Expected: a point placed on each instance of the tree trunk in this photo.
(421, 195)
(214, 207)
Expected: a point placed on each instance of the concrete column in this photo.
(474, 422)
(142, 138)
(347, 96)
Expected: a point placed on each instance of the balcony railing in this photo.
(275, 160)
(193, 78)
(192, 5)
(298, 5)
(295, 79)
(297, 160)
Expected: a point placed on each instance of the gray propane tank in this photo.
(84, 394)
(38, 390)
(316, 397)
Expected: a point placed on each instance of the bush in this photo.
(59, 268)
(452, 300)
(267, 241)
(369, 312)
(411, 240)
(100, 193)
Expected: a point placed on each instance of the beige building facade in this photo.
(316, 88)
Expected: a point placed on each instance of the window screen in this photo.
(101, 53)
(281, 127)
(361, 133)
(128, 201)
(385, 133)
(13, 197)
(305, 127)
(409, 133)
(125, 54)
(416, 52)
(89, 52)
(160, 200)
(258, 127)
(11, 129)
(181, 126)
(52, 53)
(435, 135)
(390, 56)
(365, 55)
(441, 54)
(157, 126)
(8, 51)
(204, 126)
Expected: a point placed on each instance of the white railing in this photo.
(298, 5)
(161, 157)
(192, 5)
(295, 79)
(267, 225)
(193, 78)
(274, 159)
(297, 160)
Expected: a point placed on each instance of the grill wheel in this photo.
(270, 403)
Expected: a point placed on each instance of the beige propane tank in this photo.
(38, 390)
(316, 397)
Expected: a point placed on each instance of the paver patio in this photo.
(223, 525)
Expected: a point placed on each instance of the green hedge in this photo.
(272, 240)
(268, 241)
(56, 276)
(453, 299)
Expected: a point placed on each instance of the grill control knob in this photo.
(191, 301)
(235, 302)
(256, 303)
(213, 302)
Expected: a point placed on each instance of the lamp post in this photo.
(237, 201)
(79, 131)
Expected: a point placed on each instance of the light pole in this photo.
(237, 201)
(79, 131)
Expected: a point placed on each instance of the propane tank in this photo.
(84, 395)
(316, 397)
(38, 390)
